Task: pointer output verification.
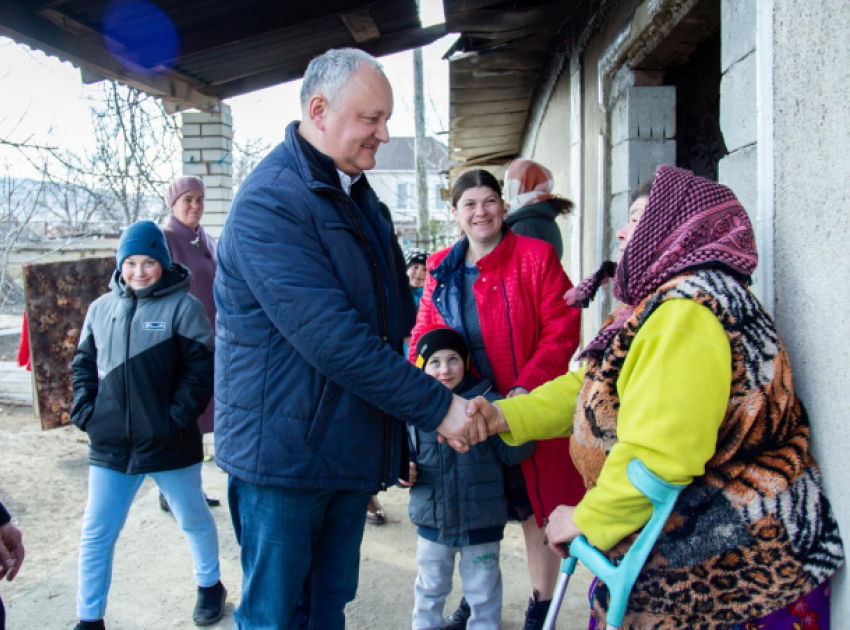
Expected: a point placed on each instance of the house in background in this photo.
(394, 181)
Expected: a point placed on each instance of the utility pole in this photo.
(420, 151)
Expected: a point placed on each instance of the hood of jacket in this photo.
(539, 210)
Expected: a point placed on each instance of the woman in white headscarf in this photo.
(532, 208)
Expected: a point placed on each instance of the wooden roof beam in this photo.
(29, 28)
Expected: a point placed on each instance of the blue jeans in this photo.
(300, 554)
(110, 497)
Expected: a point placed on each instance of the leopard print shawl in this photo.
(755, 532)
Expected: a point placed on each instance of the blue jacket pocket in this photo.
(328, 401)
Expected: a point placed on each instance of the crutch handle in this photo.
(620, 578)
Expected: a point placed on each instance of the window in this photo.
(406, 196)
(438, 196)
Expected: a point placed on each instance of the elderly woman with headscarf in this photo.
(689, 376)
(532, 208)
(191, 246)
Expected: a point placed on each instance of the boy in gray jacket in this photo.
(142, 375)
(458, 499)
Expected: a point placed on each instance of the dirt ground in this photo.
(43, 479)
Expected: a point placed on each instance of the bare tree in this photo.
(136, 155)
(122, 178)
(246, 156)
(19, 201)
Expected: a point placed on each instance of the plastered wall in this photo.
(812, 225)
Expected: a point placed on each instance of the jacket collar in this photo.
(454, 260)
(175, 225)
(470, 386)
(317, 169)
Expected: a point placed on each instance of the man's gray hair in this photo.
(328, 73)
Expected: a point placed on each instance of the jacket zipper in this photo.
(510, 328)
(383, 328)
(130, 317)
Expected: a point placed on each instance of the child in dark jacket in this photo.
(458, 500)
(142, 374)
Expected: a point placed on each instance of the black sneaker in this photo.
(210, 605)
(535, 616)
(90, 625)
(163, 503)
(457, 620)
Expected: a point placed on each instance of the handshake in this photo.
(469, 422)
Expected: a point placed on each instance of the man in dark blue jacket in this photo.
(311, 388)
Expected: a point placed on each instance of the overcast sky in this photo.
(44, 101)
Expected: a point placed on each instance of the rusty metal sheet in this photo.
(58, 295)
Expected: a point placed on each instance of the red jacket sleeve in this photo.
(559, 328)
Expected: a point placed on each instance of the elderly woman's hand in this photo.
(561, 529)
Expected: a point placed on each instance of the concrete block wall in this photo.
(738, 111)
(643, 132)
(207, 153)
(812, 311)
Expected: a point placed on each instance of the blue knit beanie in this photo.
(143, 238)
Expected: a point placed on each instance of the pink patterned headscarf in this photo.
(527, 182)
(689, 222)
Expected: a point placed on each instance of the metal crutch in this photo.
(620, 578)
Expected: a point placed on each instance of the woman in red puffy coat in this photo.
(504, 293)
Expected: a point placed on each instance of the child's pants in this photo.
(110, 495)
(481, 580)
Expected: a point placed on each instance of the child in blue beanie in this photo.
(142, 374)
(457, 500)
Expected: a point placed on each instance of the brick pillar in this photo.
(207, 153)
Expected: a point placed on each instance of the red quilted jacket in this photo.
(529, 333)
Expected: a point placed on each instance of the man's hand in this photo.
(492, 415)
(561, 529)
(11, 551)
(460, 428)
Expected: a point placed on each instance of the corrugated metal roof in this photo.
(496, 69)
(194, 53)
